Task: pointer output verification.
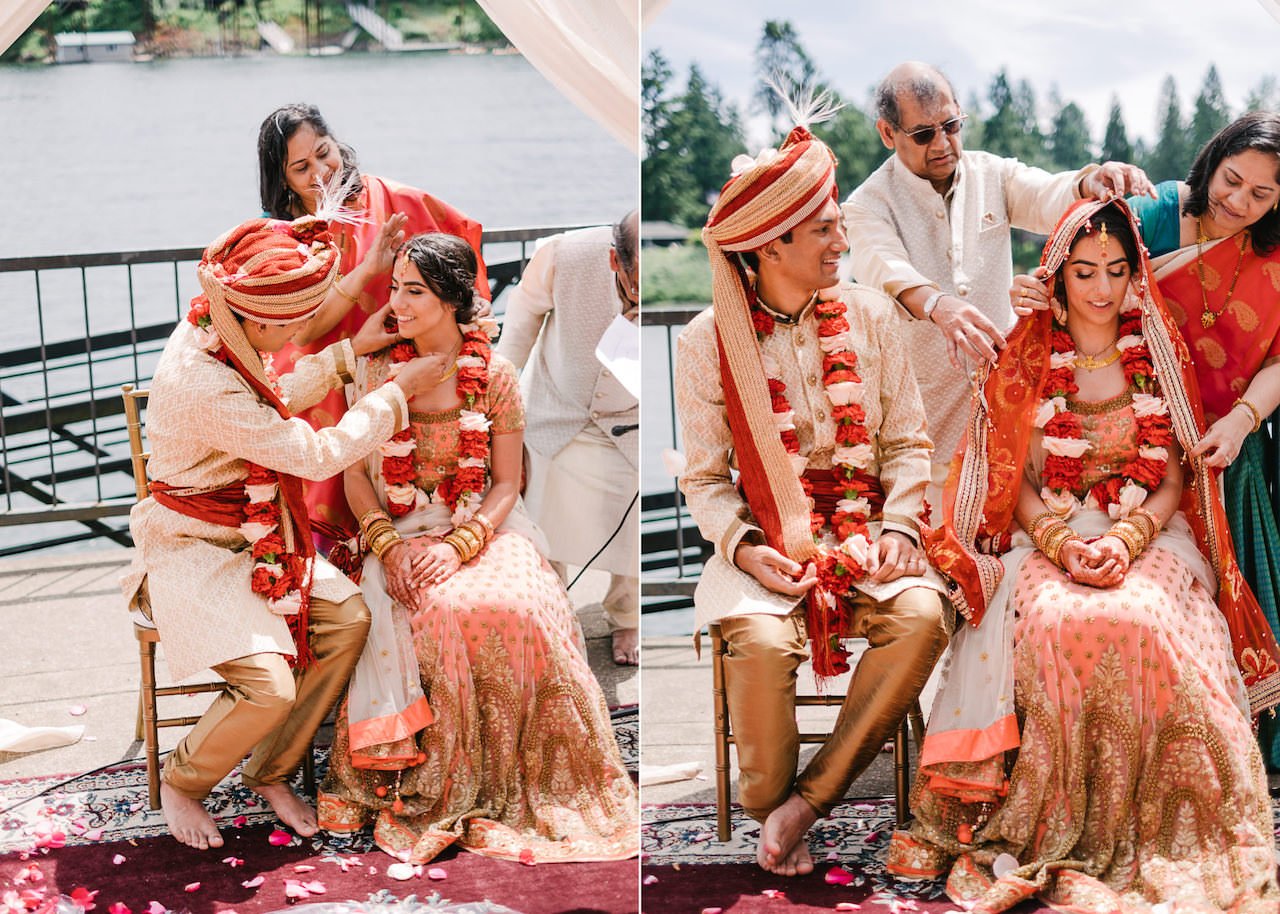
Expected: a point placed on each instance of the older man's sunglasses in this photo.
(924, 136)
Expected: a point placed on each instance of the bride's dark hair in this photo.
(1118, 227)
(448, 266)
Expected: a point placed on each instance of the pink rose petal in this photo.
(303, 868)
(76, 710)
(93, 834)
(118, 859)
(156, 908)
(240, 821)
(774, 893)
(838, 876)
(295, 890)
(119, 908)
(712, 910)
(82, 898)
(279, 838)
(401, 871)
(848, 906)
(436, 873)
(315, 887)
(650, 879)
(254, 882)
(191, 887)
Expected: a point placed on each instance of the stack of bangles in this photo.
(379, 533)
(1050, 533)
(469, 537)
(1136, 531)
(1253, 412)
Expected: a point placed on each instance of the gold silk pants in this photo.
(906, 635)
(270, 708)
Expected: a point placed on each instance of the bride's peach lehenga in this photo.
(1137, 776)
(519, 761)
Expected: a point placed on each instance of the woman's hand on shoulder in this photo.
(372, 335)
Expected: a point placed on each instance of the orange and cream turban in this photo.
(767, 197)
(268, 271)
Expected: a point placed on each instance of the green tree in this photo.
(1012, 128)
(1069, 143)
(780, 57)
(1115, 141)
(1265, 96)
(666, 188)
(1211, 112)
(1170, 158)
(852, 136)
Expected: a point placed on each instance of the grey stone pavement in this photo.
(66, 640)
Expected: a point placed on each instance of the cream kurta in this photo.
(203, 422)
(895, 421)
(903, 234)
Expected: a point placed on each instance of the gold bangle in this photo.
(1051, 541)
(1257, 416)
(337, 287)
(1055, 553)
(484, 521)
(372, 513)
(1129, 534)
(1044, 533)
(479, 529)
(1156, 524)
(466, 550)
(1031, 525)
(456, 548)
(378, 529)
(383, 543)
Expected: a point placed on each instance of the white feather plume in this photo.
(806, 104)
(332, 196)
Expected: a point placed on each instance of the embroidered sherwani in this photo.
(582, 476)
(902, 620)
(903, 234)
(203, 422)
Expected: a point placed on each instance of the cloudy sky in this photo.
(1089, 49)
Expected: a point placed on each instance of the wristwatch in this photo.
(930, 303)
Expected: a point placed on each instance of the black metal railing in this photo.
(671, 549)
(76, 327)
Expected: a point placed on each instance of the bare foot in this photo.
(188, 820)
(292, 810)
(626, 646)
(782, 849)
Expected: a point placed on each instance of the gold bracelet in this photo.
(478, 529)
(380, 545)
(337, 287)
(1156, 524)
(456, 548)
(1257, 416)
(1129, 534)
(468, 538)
(484, 521)
(466, 550)
(1051, 542)
(377, 528)
(1055, 549)
(1042, 534)
(1031, 525)
(367, 518)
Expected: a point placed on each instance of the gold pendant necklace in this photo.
(1207, 317)
(1093, 363)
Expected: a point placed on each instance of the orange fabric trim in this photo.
(390, 728)
(970, 745)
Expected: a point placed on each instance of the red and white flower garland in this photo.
(844, 540)
(1064, 439)
(463, 491)
(278, 574)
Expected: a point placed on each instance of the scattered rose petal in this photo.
(254, 882)
(871, 837)
(156, 908)
(848, 906)
(832, 856)
(650, 879)
(118, 859)
(295, 890)
(527, 858)
(864, 807)
(301, 867)
(838, 876)
(82, 898)
(191, 887)
(712, 910)
(233, 862)
(119, 908)
(93, 834)
(279, 838)
(76, 710)
(1003, 865)
(436, 873)
(400, 871)
(774, 893)
(315, 887)
(240, 821)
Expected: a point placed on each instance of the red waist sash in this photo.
(827, 490)
(224, 507)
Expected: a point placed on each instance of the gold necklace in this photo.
(1209, 318)
(1093, 363)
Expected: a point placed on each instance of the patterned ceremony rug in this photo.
(97, 832)
(685, 867)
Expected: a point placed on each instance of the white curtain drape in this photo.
(1272, 7)
(15, 16)
(588, 49)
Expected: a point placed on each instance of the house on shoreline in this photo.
(93, 47)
